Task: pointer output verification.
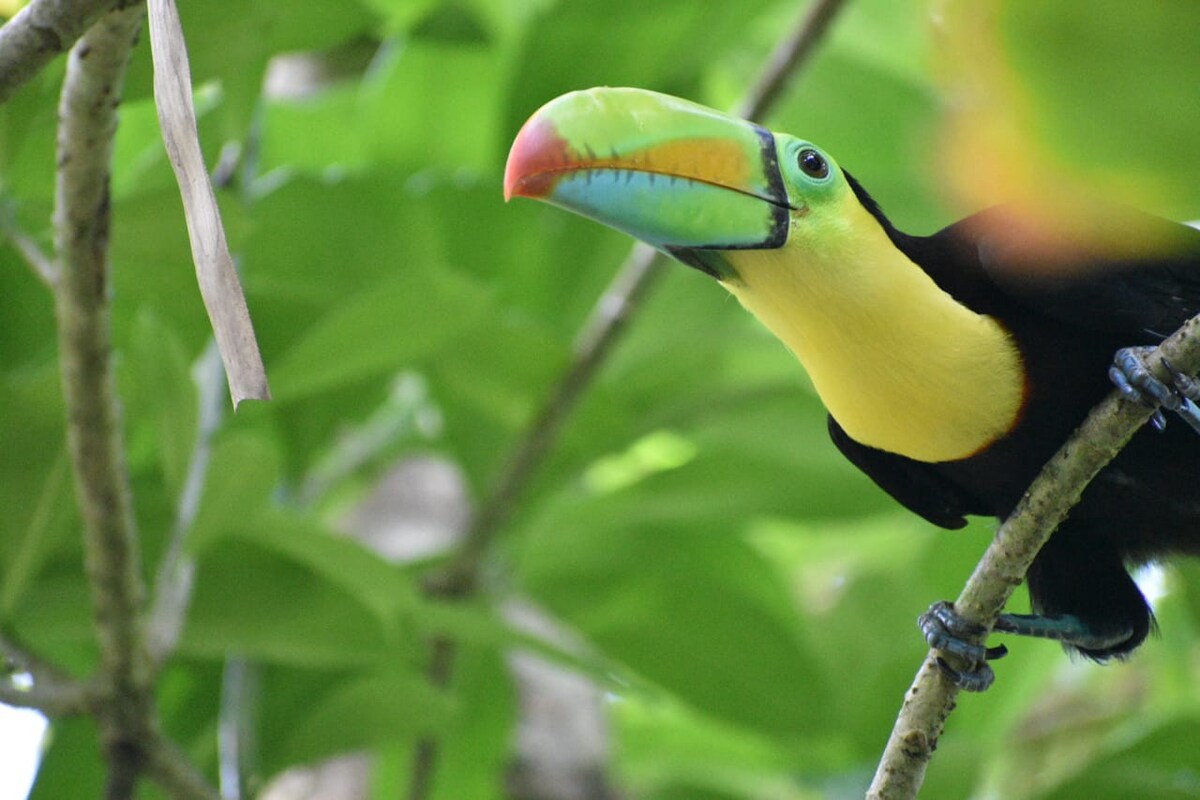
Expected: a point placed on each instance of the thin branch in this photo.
(1046, 504)
(600, 332)
(609, 318)
(441, 668)
(237, 739)
(171, 769)
(173, 585)
(53, 698)
(38, 33)
(29, 682)
(789, 58)
(87, 114)
(42, 265)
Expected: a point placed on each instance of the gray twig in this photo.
(1050, 497)
(38, 33)
(171, 769)
(28, 682)
(788, 58)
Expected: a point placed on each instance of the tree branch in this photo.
(788, 59)
(38, 33)
(171, 769)
(1046, 504)
(29, 682)
(87, 114)
(609, 318)
(41, 264)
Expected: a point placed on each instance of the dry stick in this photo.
(608, 320)
(87, 114)
(38, 33)
(219, 285)
(1046, 503)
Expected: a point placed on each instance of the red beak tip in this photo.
(536, 155)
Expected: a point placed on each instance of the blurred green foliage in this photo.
(750, 598)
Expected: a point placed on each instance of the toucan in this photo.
(952, 365)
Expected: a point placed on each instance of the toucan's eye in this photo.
(812, 163)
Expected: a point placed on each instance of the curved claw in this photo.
(977, 679)
(1137, 384)
(946, 631)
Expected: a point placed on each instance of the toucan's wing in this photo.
(1139, 276)
(914, 484)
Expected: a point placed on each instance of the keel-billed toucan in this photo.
(952, 365)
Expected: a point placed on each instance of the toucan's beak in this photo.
(674, 174)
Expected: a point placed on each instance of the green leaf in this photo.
(53, 514)
(671, 749)
(383, 588)
(156, 384)
(680, 600)
(1159, 761)
(72, 766)
(1110, 93)
(365, 711)
(254, 602)
(243, 473)
(382, 330)
(476, 746)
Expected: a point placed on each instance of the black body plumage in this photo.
(1068, 313)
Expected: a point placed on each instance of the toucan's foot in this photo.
(1135, 381)
(946, 631)
(949, 633)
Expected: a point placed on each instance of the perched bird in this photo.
(952, 365)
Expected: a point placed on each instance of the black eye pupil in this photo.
(812, 163)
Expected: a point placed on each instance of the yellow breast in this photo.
(899, 363)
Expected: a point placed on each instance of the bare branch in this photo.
(38, 33)
(171, 769)
(1046, 504)
(87, 114)
(608, 319)
(788, 58)
(219, 285)
(29, 682)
